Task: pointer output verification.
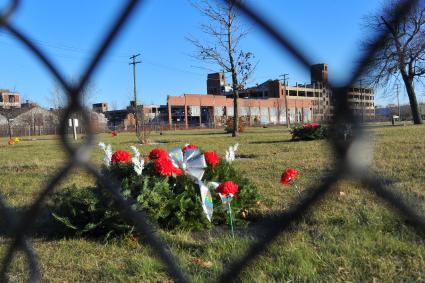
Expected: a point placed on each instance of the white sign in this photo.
(194, 111)
(75, 122)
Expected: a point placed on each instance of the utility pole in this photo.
(314, 94)
(285, 80)
(134, 62)
(398, 103)
(9, 122)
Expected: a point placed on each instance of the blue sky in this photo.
(68, 31)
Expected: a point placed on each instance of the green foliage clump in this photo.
(309, 132)
(86, 212)
(173, 202)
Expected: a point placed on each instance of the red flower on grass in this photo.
(227, 188)
(211, 158)
(311, 125)
(288, 175)
(114, 133)
(120, 156)
(189, 146)
(165, 167)
(158, 153)
(11, 142)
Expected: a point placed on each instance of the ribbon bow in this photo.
(231, 153)
(108, 153)
(138, 164)
(193, 163)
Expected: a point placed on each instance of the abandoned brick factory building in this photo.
(271, 102)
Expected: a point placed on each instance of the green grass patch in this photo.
(349, 236)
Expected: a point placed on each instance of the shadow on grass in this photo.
(46, 228)
(41, 138)
(197, 134)
(153, 142)
(383, 126)
(271, 142)
(245, 156)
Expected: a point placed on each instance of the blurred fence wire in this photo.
(18, 229)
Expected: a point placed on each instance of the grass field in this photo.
(350, 236)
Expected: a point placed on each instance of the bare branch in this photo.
(225, 33)
(404, 52)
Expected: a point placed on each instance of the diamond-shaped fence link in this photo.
(18, 229)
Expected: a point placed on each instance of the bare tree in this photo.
(28, 120)
(114, 105)
(403, 53)
(226, 32)
(58, 99)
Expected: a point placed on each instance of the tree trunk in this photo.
(234, 72)
(417, 119)
(235, 114)
(407, 75)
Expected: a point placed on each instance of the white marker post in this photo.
(74, 124)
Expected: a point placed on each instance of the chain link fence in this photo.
(78, 156)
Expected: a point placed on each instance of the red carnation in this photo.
(189, 146)
(211, 158)
(120, 156)
(165, 167)
(227, 188)
(158, 153)
(114, 133)
(288, 176)
(311, 125)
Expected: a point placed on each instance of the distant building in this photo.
(210, 110)
(28, 105)
(271, 102)
(9, 99)
(116, 118)
(124, 118)
(319, 73)
(26, 120)
(217, 85)
(100, 107)
(361, 101)
(268, 89)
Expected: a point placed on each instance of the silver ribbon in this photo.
(192, 161)
(207, 202)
